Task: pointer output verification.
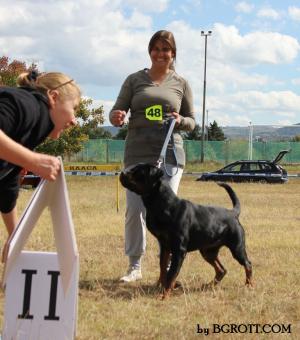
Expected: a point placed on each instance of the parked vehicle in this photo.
(29, 179)
(263, 171)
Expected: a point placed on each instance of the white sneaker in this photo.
(132, 275)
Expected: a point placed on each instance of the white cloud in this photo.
(284, 122)
(242, 120)
(273, 100)
(69, 36)
(244, 7)
(253, 48)
(99, 44)
(268, 12)
(20, 15)
(294, 13)
(139, 20)
(229, 52)
(285, 114)
(251, 104)
(228, 78)
(244, 106)
(22, 45)
(189, 7)
(233, 86)
(157, 6)
(296, 81)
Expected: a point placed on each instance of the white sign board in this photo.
(53, 195)
(36, 306)
(37, 270)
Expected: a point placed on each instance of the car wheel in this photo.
(263, 181)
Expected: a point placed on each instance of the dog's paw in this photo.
(178, 285)
(161, 296)
(164, 295)
(249, 284)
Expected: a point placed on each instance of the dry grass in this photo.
(109, 310)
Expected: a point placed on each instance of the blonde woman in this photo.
(42, 105)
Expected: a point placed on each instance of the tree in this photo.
(9, 71)
(99, 133)
(72, 139)
(215, 132)
(296, 138)
(91, 119)
(122, 133)
(193, 135)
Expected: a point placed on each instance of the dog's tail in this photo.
(235, 201)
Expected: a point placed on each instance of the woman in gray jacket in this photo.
(153, 96)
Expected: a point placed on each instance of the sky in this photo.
(253, 53)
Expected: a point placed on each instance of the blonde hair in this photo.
(49, 81)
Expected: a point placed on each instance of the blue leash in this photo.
(162, 156)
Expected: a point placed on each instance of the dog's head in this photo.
(141, 178)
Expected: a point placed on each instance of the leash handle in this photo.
(163, 152)
(164, 148)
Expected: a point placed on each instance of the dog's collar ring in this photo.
(159, 163)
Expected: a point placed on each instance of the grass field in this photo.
(110, 310)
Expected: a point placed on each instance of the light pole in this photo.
(250, 141)
(205, 35)
(207, 125)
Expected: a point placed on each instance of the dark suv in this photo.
(250, 171)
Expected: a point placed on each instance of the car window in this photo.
(266, 167)
(254, 167)
(232, 168)
(245, 167)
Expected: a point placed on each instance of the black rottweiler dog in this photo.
(181, 226)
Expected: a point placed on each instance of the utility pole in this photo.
(205, 35)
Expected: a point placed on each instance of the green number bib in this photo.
(154, 112)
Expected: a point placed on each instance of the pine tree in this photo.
(122, 133)
(215, 132)
(193, 135)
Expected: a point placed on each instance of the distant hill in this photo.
(112, 129)
(260, 132)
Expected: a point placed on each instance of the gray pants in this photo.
(135, 226)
